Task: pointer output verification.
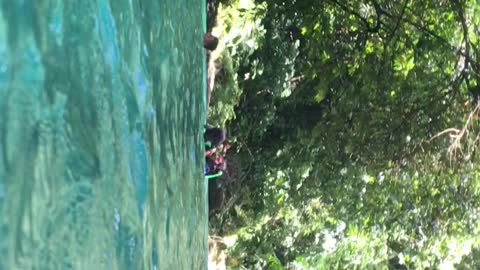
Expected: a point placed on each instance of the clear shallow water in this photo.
(101, 114)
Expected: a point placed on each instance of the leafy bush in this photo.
(369, 160)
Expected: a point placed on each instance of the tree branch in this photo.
(461, 18)
(359, 16)
(400, 17)
(422, 28)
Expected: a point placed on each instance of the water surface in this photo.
(101, 114)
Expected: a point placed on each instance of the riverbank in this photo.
(212, 7)
(217, 248)
(238, 25)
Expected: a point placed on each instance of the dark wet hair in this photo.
(210, 42)
(215, 135)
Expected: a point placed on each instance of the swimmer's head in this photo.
(210, 42)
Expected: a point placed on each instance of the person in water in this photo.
(210, 42)
(215, 164)
(218, 149)
(215, 150)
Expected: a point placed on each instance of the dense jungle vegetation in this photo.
(356, 130)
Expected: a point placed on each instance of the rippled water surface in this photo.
(101, 114)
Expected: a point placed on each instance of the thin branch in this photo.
(297, 78)
(458, 134)
(378, 10)
(400, 17)
(423, 28)
(359, 16)
(450, 131)
(456, 144)
(458, 10)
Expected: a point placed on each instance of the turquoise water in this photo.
(102, 108)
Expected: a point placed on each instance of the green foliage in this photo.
(350, 168)
(240, 31)
(225, 94)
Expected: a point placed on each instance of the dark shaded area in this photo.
(212, 6)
